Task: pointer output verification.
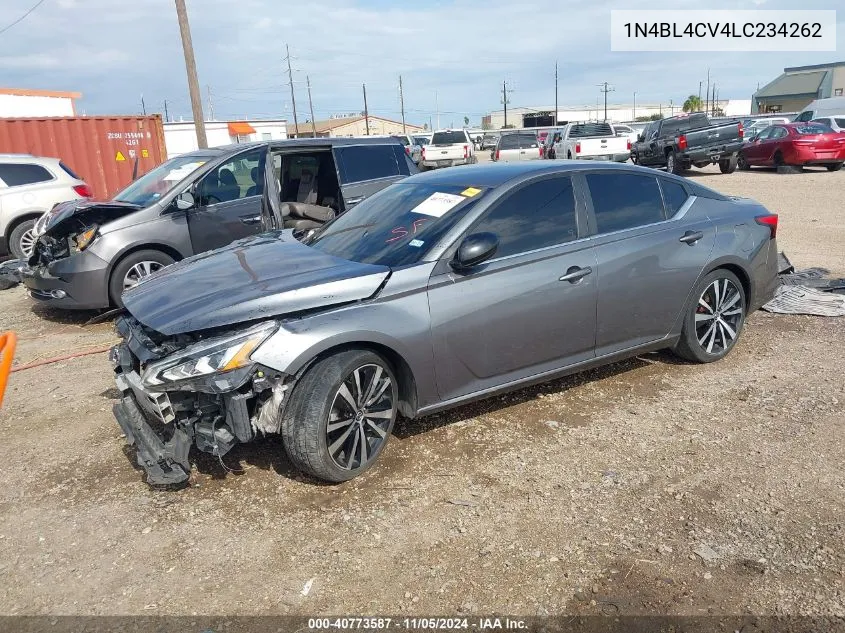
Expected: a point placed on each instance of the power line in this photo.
(22, 18)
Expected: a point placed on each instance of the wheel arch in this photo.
(19, 219)
(740, 272)
(145, 246)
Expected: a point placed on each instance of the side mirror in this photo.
(185, 201)
(475, 249)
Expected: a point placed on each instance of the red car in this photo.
(796, 144)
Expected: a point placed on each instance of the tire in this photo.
(147, 260)
(833, 166)
(703, 339)
(742, 163)
(634, 158)
(568, 155)
(673, 165)
(317, 402)
(21, 240)
(728, 165)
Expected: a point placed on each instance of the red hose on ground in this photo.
(57, 359)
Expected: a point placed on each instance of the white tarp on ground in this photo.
(801, 300)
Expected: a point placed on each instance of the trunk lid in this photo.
(259, 277)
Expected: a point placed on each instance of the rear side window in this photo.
(839, 122)
(448, 138)
(624, 201)
(674, 195)
(509, 141)
(367, 162)
(16, 174)
(538, 215)
(69, 171)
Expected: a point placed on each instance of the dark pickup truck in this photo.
(680, 142)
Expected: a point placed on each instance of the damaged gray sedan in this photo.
(445, 288)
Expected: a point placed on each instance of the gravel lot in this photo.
(650, 486)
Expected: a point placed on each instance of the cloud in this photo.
(453, 55)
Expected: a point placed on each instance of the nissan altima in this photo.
(441, 289)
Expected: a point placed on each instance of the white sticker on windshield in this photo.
(416, 243)
(438, 204)
(181, 172)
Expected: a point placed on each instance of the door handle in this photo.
(250, 219)
(691, 237)
(355, 200)
(574, 274)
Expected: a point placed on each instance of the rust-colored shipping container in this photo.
(102, 150)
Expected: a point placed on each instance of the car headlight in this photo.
(210, 357)
(83, 240)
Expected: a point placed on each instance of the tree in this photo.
(466, 120)
(692, 104)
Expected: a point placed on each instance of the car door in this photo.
(647, 264)
(754, 151)
(648, 148)
(529, 309)
(228, 202)
(367, 169)
(778, 137)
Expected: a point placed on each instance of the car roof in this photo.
(27, 158)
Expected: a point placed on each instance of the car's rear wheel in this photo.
(22, 239)
(340, 415)
(714, 321)
(132, 269)
(673, 165)
(834, 166)
(728, 165)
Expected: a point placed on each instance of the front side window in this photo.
(367, 162)
(17, 174)
(540, 214)
(624, 201)
(233, 180)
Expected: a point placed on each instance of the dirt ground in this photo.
(648, 487)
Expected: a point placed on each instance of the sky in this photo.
(453, 56)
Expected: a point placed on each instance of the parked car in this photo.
(517, 146)
(412, 148)
(549, 143)
(29, 187)
(489, 283)
(489, 141)
(626, 131)
(795, 144)
(757, 125)
(680, 142)
(87, 254)
(447, 149)
(591, 141)
(831, 106)
(836, 123)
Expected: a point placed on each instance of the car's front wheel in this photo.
(714, 321)
(132, 269)
(340, 415)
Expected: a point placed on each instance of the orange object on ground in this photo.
(8, 341)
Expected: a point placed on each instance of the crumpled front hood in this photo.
(81, 209)
(259, 277)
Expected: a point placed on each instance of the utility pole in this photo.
(634, 113)
(707, 94)
(311, 106)
(402, 104)
(366, 111)
(505, 100)
(603, 87)
(699, 95)
(713, 100)
(143, 106)
(437, 109)
(210, 103)
(555, 123)
(191, 69)
(166, 114)
(292, 97)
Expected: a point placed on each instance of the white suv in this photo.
(29, 187)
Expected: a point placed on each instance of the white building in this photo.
(21, 103)
(616, 113)
(181, 137)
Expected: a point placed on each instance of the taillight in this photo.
(682, 142)
(541, 152)
(407, 150)
(466, 151)
(83, 190)
(771, 221)
(498, 154)
(422, 152)
(741, 130)
(629, 145)
(578, 147)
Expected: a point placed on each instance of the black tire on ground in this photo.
(120, 271)
(833, 166)
(21, 231)
(697, 325)
(634, 158)
(673, 165)
(305, 431)
(742, 163)
(568, 155)
(551, 154)
(728, 165)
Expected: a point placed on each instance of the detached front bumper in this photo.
(78, 282)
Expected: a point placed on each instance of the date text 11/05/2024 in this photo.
(724, 29)
(416, 624)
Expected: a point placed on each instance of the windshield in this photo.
(398, 225)
(158, 182)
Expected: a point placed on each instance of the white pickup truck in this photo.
(448, 148)
(592, 141)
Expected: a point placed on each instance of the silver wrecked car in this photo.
(443, 288)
